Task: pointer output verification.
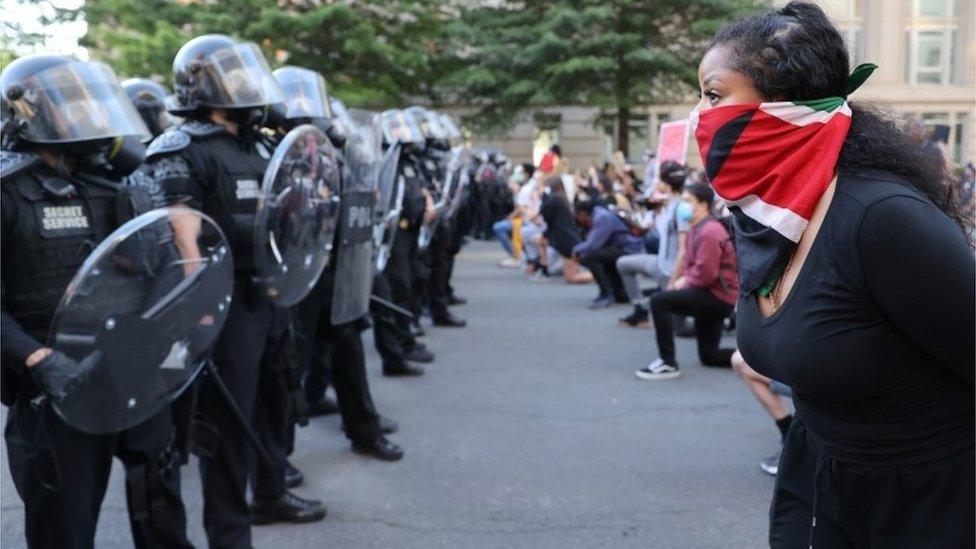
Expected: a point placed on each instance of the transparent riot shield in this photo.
(460, 164)
(354, 257)
(389, 204)
(297, 214)
(385, 233)
(139, 317)
(455, 179)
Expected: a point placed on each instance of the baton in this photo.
(392, 306)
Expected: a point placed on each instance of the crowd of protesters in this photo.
(659, 242)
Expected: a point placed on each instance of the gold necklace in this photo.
(775, 294)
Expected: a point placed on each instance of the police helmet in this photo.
(57, 99)
(216, 71)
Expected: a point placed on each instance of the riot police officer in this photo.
(334, 351)
(214, 161)
(70, 135)
(149, 98)
(406, 273)
(438, 255)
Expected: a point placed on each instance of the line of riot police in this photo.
(188, 273)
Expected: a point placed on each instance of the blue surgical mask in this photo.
(684, 212)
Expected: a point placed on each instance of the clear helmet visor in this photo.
(238, 77)
(78, 101)
(340, 118)
(428, 122)
(453, 132)
(305, 93)
(397, 126)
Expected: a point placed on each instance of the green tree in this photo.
(615, 55)
(372, 53)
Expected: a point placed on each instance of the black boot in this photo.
(455, 300)
(322, 407)
(288, 508)
(378, 447)
(449, 321)
(419, 354)
(402, 370)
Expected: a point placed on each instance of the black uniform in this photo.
(335, 353)
(62, 473)
(404, 270)
(220, 174)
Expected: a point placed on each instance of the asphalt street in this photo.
(530, 430)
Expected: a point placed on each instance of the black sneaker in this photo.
(639, 318)
(657, 370)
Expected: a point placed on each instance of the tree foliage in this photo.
(615, 55)
(372, 52)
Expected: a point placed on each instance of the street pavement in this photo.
(529, 430)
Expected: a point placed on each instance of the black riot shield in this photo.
(139, 316)
(297, 214)
(354, 257)
(389, 203)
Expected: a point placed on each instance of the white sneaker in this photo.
(658, 369)
(770, 465)
(538, 277)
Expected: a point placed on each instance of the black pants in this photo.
(399, 273)
(439, 259)
(63, 492)
(386, 332)
(335, 354)
(251, 338)
(603, 264)
(869, 506)
(709, 313)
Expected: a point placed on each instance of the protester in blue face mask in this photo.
(705, 286)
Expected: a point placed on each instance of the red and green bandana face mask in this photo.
(771, 163)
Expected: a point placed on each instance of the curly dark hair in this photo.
(796, 53)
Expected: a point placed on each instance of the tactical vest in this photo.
(414, 202)
(48, 242)
(233, 177)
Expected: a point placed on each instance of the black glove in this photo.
(58, 373)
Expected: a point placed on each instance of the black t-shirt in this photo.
(876, 336)
(561, 229)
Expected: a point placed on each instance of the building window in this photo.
(961, 131)
(846, 15)
(932, 8)
(637, 141)
(638, 137)
(544, 135)
(931, 54)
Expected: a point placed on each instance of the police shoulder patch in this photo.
(201, 129)
(171, 140)
(15, 163)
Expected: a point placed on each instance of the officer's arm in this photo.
(17, 347)
(182, 184)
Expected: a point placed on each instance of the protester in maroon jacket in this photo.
(705, 286)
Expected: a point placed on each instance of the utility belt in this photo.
(248, 290)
